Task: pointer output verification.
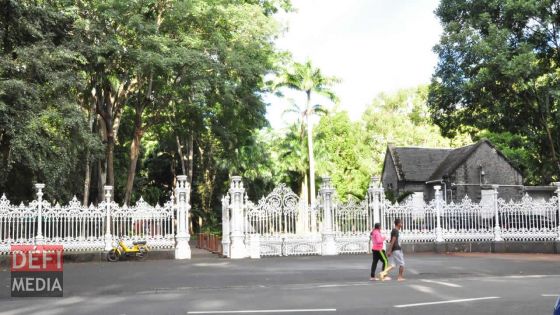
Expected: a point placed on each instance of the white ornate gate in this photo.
(352, 226)
(286, 225)
(281, 224)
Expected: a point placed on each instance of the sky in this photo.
(373, 46)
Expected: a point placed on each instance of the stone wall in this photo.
(497, 171)
(389, 176)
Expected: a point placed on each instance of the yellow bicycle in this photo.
(139, 249)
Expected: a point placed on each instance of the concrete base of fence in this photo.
(501, 247)
(526, 247)
(98, 257)
(549, 247)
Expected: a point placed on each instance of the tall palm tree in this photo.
(305, 78)
(293, 159)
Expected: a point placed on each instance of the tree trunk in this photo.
(190, 174)
(134, 154)
(107, 113)
(101, 179)
(109, 103)
(191, 158)
(191, 229)
(101, 163)
(552, 146)
(87, 179)
(181, 156)
(544, 113)
(141, 104)
(110, 161)
(310, 148)
(87, 176)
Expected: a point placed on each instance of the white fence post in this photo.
(225, 225)
(39, 239)
(557, 184)
(375, 192)
(439, 207)
(497, 229)
(237, 192)
(182, 249)
(254, 246)
(108, 236)
(328, 245)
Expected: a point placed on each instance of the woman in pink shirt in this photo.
(377, 239)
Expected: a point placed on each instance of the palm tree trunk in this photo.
(310, 149)
(304, 196)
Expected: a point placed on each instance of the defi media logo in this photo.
(36, 270)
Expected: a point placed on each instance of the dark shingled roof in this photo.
(453, 160)
(416, 164)
(425, 164)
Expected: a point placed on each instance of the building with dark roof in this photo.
(461, 172)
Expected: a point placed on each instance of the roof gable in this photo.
(424, 164)
(390, 159)
(416, 164)
(453, 160)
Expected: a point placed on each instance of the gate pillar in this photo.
(108, 237)
(374, 201)
(497, 229)
(182, 249)
(225, 225)
(237, 192)
(328, 245)
(439, 210)
(557, 184)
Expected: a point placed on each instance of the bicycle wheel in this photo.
(113, 255)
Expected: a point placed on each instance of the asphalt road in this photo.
(436, 284)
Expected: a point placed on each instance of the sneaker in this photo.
(387, 279)
(374, 279)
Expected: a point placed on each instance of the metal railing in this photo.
(210, 242)
(492, 219)
(81, 228)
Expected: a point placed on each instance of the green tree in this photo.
(306, 78)
(347, 157)
(213, 104)
(520, 150)
(499, 71)
(402, 118)
(293, 160)
(43, 129)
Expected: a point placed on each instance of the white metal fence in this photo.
(282, 225)
(81, 228)
(352, 225)
(493, 220)
(418, 220)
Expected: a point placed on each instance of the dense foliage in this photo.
(499, 71)
(131, 94)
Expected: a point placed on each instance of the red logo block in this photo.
(36, 270)
(39, 258)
